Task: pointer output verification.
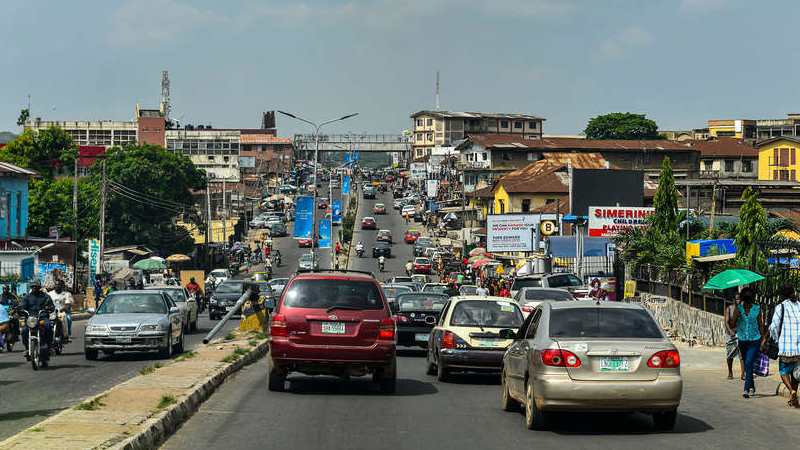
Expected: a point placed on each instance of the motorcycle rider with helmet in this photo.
(63, 301)
(35, 302)
(360, 248)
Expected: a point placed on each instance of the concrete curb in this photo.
(350, 247)
(158, 428)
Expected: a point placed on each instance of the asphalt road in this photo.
(27, 397)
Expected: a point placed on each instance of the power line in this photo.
(171, 209)
(146, 196)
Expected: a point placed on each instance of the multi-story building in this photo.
(441, 128)
(263, 156)
(216, 151)
(770, 128)
(727, 158)
(735, 128)
(777, 159)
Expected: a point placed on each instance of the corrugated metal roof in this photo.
(474, 115)
(518, 141)
(262, 138)
(11, 169)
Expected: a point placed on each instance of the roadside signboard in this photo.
(325, 233)
(548, 227)
(510, 232)
(345, 185)
(302, 221)
(336, 205)
(94, 259)
(433, 188)
(609, 221)
(247, 162)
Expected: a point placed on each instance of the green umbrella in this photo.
(149, 264)
(731, 278)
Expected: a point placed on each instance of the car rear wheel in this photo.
(507, 402)
(442, 374)
(387, 378)
(276, 377)
(535, 419)
(431, 369)
(665, 421)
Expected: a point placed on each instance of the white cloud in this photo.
(695, 6)
(621, 45)
(142, 23)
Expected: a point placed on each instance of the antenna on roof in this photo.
(437, 89)
(165, 109)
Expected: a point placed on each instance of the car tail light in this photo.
(527, 309)
(278, 326)
(665, 358)
(402, 319)
(560, 358)
(387, 329)
(448, 340)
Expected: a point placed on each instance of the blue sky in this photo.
(681, 62)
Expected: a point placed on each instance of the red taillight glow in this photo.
(387, 329)
(560, 358)
(402, 319)
(448, 340)
(527, 309)
(665, 359)
(278, 326)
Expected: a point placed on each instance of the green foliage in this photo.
(90, 405)
(753, 226)
(666, 200)
(42, 151)
(146, 370)
(23, 116)
(165, 401)
(622, 126)
(50, 204)
(230, 337)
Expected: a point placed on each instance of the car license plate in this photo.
(230, 308)
(614, 364)
(421, 337)
(487, 342)
(123, 340)
(333, 327)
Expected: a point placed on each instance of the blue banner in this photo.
(325, 233)
(303, 222)
(337, 211)
(345, 185)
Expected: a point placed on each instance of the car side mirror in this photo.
(507, 333)
(91, 310)
(174, 310)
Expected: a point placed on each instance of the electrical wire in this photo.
(148, 196)
(171, 209)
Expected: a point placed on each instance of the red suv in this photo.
(333, 323)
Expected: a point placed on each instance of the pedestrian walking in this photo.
(785, 329)
(748, 331)
(732, 343)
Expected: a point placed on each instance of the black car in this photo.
(224, 298)
(369, 192)
(381, 248)
(278, 230)
(416, 315)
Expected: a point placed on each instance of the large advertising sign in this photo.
(418, 171)
(345, 185)
(325, 233)
(337, 211)
(510, 232)
(303, 223)
(609, 221)
(433, 188)
(94, 259)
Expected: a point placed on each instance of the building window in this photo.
(419, 122)
(728, 165)
(226, 158)
(485, 156)
(526, 205)
(708, 165)
(747, 165)
(503, 124)
(506, 156)
(502, 207)
(533, 125)
(518, 124)
(492, 123)
(430, 136)
(530, 156)
(419, 137)
(430, 122)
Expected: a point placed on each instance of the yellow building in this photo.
(778, 159)
(737, 128)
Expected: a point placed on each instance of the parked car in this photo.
(408, 210)
(566, 281)
(384, 235)
(416, 315)
(259, 222)
(411, 236)
(379, 208)
(397, 192)
(397, 204)
(306, 242)
(220, 275)
(591, 356)
(185, 301)
(368, 223)
(224, 298)
(467, 337)
(332, 324)
(528, 298)
(421, 265)
(307, 262)
(381, 248)
(135, 320)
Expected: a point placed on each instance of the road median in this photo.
(141, 412)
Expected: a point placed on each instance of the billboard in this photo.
(433, 188)
(510, 232)
(304, 211)
(325, 233)
(605, 187)
(247, 162)
(419, 171)
(345, 185)
(336, 206)
(94, 259)
(609, 221)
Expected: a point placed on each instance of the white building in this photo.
(216, 151)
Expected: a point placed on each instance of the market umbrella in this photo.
(480, 262)
(477, 258)
(158, 258)
(731, 278)
(477, 250)
(178, 258)
(149, 264)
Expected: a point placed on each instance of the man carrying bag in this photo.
(783, 342)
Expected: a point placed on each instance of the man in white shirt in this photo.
(785, 328)
(482, 291)
(63, 301)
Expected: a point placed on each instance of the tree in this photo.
(622, 126)
(753, 226)
(149, 187)
(666, 200)
(23, 116)
(42, 151)
(50, 204)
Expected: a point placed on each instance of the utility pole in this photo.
(224, 215)
(75, 225)
(208, 227)
(103, 216)
(713, 204)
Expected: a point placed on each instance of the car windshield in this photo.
(324, 294)
(402, 280)
(229, 288)
(416, 302)
(612, 323)
(369, 219)
(394, 291)
(520, 283)
(547, 294)
(279, 281)
(438, 288)
(306, 257)
(468, 290)
(175, 294)
(413, 233)
(133, 304)
(379, 205)
(474, 313)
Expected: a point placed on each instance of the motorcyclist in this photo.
(8, 303)
(381, 262)
(193, 287)
(277, 256)
(212, 280)
(33, 303)
(409, 268)
(359, 248)
(62, 300)
(268, 265)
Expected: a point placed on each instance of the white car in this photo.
(308, 262)
(408, 210)
(220, 275)
(185, 301)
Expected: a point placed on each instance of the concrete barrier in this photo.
(683, 321)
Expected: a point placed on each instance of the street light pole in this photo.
(316, 171)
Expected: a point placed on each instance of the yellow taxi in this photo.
(260, 276)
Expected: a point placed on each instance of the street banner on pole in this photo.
(325, 233)
(337, 211)
(94, 259)
(303, 224)
(345, 185)
(433, 188)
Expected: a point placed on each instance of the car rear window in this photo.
(394, 291)
(536, 294)
(603, 323)
(323, 294)
(520, 283)
(481, 313)
(564, 281)
(422, 301)
(438, 288)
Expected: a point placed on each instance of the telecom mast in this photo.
(437, 89)
(165, 110)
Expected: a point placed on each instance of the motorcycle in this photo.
(381, 265)
(38, 350)
(360, 252)
(11, 336)
(59, 338)
(278, 260)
